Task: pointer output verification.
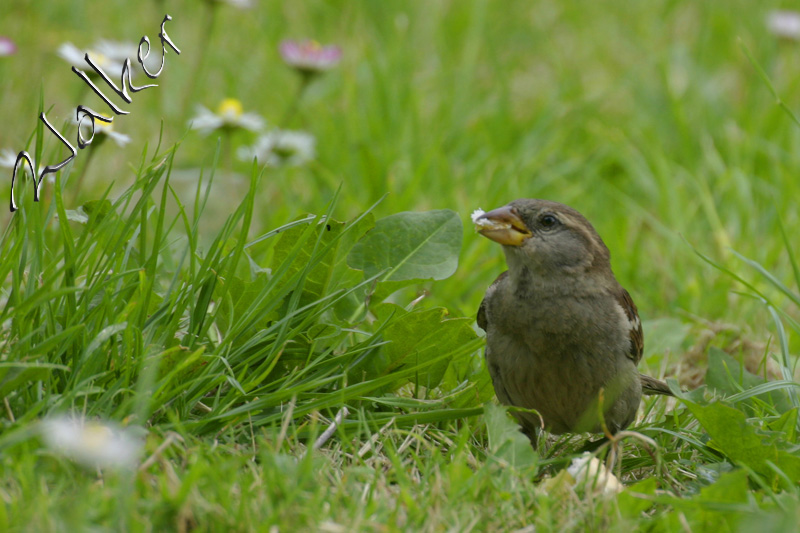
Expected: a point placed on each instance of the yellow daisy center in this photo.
(105, 126)
(96, 437)
(230, 107)
(100, 59)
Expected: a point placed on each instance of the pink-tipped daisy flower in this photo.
(310, 57)
(7, 46)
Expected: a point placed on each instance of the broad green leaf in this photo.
(388, 311)
(730, 487)
(377, 363)
(98, 210)
(631, 503)
(727, 375)
(414, 338)
(242, 294)
(421, 336)
(717, 507)
(331, 271)
(76, 215)
(318, 277)
(786, 424)
(470, 381)
(384, 289)
(342, 276)
(353, 307)
(716, 503)
(732, 435)
(410, 245)
(506, 441)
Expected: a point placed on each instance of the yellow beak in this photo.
(503, 225)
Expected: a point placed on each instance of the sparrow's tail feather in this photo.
(651, 386)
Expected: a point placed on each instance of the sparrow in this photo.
(563, 337)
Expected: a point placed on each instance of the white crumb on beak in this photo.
(485, 223)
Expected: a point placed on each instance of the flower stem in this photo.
(305, 81)
(77, 188)
(227, 148)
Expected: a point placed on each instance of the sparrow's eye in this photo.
(548, 221)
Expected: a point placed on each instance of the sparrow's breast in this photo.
(556, 355)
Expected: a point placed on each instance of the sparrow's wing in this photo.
(650, 385)
(637, 337)
(483, 321)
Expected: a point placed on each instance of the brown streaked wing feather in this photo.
(637, 337)
(482, 322)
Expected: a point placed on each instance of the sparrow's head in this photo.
(545, 237)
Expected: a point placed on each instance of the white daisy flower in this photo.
(92, 443)
(593, 475)
(101, 131)
(281, 148)
(229, 115)
(74, 56)
(784, 24)
(8, 159)
(117, 51)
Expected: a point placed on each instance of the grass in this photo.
(215, 307)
